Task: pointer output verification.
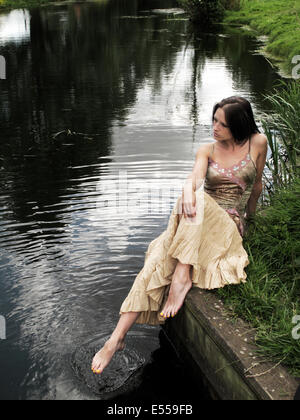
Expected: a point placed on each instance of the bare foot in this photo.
(181, 285)
(104, 356)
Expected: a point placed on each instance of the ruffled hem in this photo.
(211, 244)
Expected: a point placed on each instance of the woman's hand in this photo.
(189, 203)
(195, 181)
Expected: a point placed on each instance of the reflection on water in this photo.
(15, 27)
(138, 94)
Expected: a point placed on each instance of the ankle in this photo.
(184, 267)
(116, 339)
(183, 277)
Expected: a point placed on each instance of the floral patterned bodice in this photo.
(231, 187)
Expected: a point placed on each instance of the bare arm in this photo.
(195, 181)
(262, 145)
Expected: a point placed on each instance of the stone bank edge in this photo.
(222, 351)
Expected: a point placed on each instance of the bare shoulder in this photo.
(260, 142)
(204, 150)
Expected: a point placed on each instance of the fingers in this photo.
(189, 211)
(188, 205)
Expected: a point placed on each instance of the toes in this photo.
(96, 364)
(164, 313)
(169, 312)
(174, 312)
(96, 368)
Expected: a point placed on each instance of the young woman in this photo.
(208, 253)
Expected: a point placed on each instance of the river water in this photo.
(102, 111)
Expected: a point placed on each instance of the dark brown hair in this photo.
(239, 117)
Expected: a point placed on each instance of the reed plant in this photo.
(282, 128)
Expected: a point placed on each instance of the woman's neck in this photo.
(231, 145)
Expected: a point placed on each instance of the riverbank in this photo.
(278, 20)
(243, 341)
(269, 301)
(68, 162)
(15, 4)
(222, 355)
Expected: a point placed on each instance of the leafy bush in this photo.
(203, 11)
(231, 4)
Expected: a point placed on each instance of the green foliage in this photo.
(279, 19)
(203, 11)
(270, 298)
(283, 131)
(231, 4)
(285, 101)
(7, 4)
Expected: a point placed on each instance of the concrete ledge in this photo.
(223, 350)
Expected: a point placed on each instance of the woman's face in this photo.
(221, 129)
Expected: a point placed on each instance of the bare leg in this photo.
(115, 343)
(181, 285)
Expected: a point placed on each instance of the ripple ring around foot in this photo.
(123, 366)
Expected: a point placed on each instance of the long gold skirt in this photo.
(212, 245)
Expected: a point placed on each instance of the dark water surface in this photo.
(78, 211)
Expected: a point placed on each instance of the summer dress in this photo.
(212, 245)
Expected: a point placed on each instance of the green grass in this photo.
(278, 19)
(270, 298)
(13, 4)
